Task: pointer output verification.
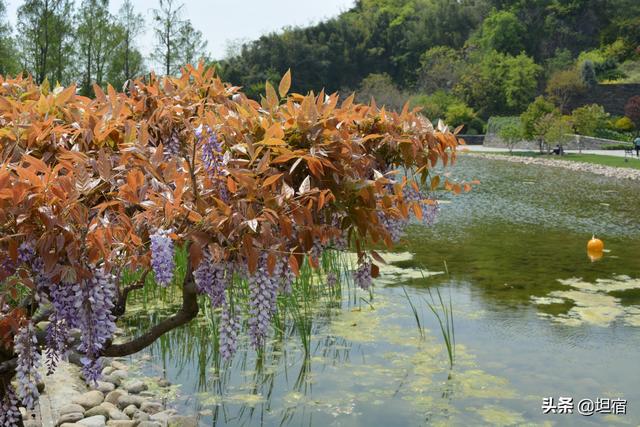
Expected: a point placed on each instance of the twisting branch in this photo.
(121, 304)
(187, 312)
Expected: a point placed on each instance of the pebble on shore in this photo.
(119, 401)
(608, 171)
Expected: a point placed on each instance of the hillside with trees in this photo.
(460, 60)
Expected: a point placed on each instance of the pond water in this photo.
(534, 317)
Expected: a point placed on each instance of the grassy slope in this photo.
(619, 162)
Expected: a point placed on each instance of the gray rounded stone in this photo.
(128, 399)
(97, 421)
(180, 421)
(108, 406)
(70, 418)
(119, 365)
(108, 370)
(114, 396)
(130, 410)
(121, 423)
(163, 417)
(141, 416)
(149, 424)
(152, 407)
(97, 410)
(136, 387)
(71, 425)
(90, 399)
(105, 387)
(70, 409)
(117, 415)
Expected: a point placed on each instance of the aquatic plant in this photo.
(444, 315)
(414, 310)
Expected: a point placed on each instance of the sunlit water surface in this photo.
(533, 316)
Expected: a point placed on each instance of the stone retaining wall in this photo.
(612, 97)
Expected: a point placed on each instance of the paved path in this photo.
(481, 148)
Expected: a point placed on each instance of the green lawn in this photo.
(620, 162)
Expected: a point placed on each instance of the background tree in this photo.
(554, 129)
(440, 68)
(521, 81)
(502, 31)
(127, 61)
(511, 134)
(588, 74)
(8, 55)
(536, 119)
(97, 37)
(192, 44)
(168, 23)
(588, 119)
(45, 34)
(381, 88)
(563, 85)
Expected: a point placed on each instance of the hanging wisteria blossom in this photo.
(96, 321)
(162, 260)
(212, 279)
(362, 275)
(28, 365)
(228, 330)
(213, 159)
(9, 413)
(263, 288)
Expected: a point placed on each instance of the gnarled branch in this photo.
(187, 312)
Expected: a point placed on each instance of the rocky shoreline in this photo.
(120, 399)
(608, 171)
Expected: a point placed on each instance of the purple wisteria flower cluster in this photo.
(362, 275)
(9, 413)
(263, 291)
(428, 204)
(228, 330)
(172, 147)
(28, 365)
(95, 321)
(396, 225)
(162, 261)
(212, 279)
(213, 159)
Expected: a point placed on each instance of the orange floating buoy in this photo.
(595, 245)
(594, 255)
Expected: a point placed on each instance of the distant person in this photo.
(558, 150)
(636, 145)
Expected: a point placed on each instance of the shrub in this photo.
(588, 119)
(496, 123)
(617, 147)
(461, 114)
(435, 105)
(623, 124)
